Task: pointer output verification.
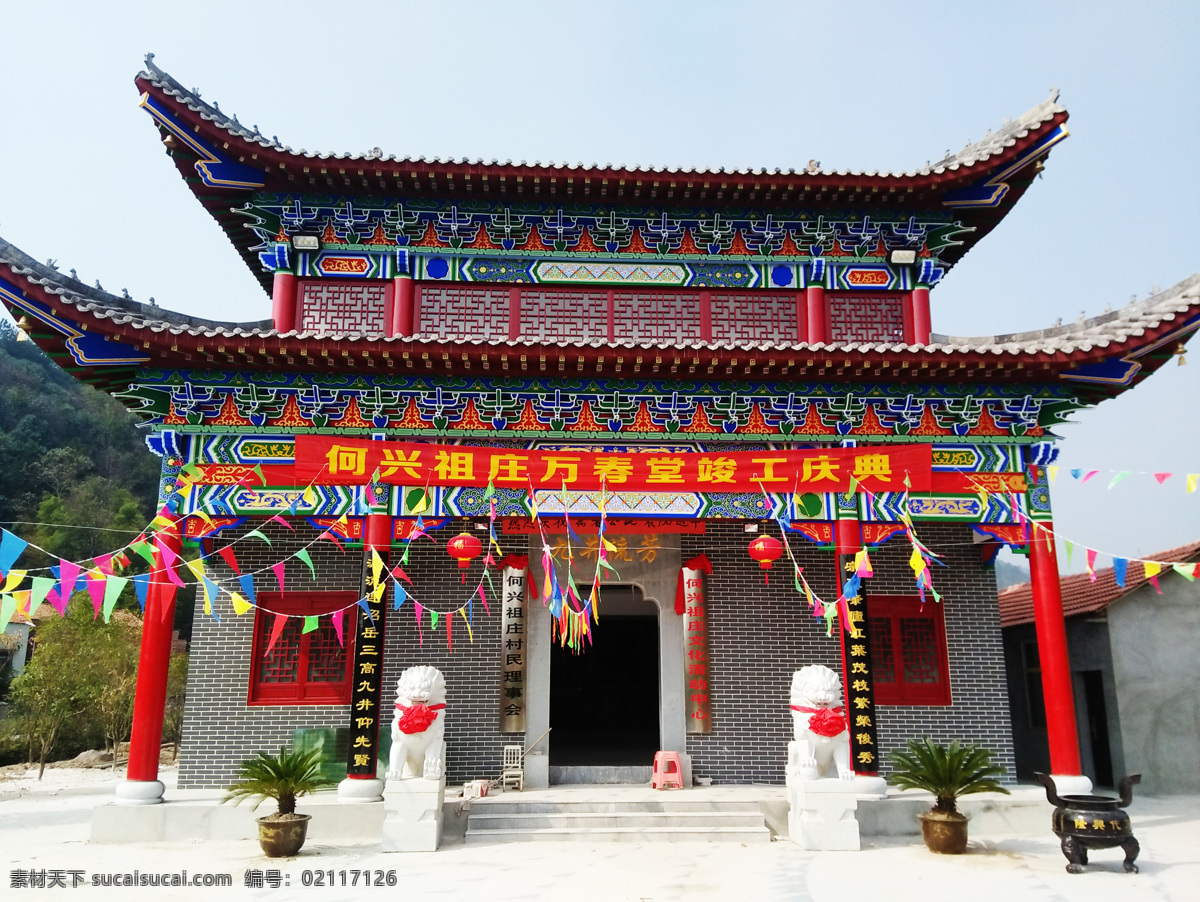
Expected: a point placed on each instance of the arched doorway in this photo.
(604, 702)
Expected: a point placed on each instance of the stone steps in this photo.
(668, 820)
(599, 775)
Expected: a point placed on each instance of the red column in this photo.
(1052, 653)
(283, 301)
(920, 315)
(514, 313)
(402, 307)
(378, 536)
(847, 537)
(706, 331)
(150, 697)
(802, 317)
(906, 317)
(818, 315)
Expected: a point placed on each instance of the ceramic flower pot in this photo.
(282, 835)
(944, 833)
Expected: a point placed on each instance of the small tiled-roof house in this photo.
(1134, 668)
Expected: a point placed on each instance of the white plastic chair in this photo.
(513, 771)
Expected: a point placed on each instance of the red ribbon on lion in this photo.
(824, 721)
(416, 718)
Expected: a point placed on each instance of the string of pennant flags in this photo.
(572, 614)
(1151, 568)
(1113, 478)
(920, 561)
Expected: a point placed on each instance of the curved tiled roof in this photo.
(1082, 595)
(973, 154)
(105, 305)
(1112, 328)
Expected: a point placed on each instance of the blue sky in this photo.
(854, 85)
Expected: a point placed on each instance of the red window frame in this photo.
(301, 691)
(895, 621)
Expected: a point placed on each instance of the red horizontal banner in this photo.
(331, 460)
(590, 526)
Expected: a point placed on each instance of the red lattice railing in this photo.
(342, 306)
(564, 314)
(754, 317)
(866, 317)
(668, 317)
(463, 312)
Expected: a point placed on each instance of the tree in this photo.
(112, 651)
(56, 687)
(81, 680)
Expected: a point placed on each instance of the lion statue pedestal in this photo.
(416, 784)
(822, 788)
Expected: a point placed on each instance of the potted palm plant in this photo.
(284, 777)
(948, 772)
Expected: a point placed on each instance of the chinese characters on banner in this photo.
(860, 684)
(367, 678)
(695, 631)
(333, 460)
(512, 634)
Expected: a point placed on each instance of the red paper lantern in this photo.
(464, 548)
(766, 550)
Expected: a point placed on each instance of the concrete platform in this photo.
(195, 815)
(198, 815)
(47, 825)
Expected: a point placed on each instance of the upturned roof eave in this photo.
(162, 333)
(1006, 142)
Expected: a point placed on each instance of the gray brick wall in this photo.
(220, 729)
(758, 635)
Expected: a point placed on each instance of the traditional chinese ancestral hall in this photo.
(706, 363)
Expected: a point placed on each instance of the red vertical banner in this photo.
(695, 632)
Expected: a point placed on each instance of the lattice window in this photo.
(327, 306)
(754, 317)
(883, 658)
(667, 317)
(310, 668)
(282, 663)
(866, 317)
(903, 628)
(326, 656)
(564, 314)
(918, 639)
(463, 312)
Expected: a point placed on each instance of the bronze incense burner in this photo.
(1093, 822)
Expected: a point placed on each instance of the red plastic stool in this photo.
(668, 771)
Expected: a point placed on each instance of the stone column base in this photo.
(358, 791)
(1068, 785)
(140, 792)
(412, 820)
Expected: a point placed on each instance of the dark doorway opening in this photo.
(1096, 717)
(604, 701)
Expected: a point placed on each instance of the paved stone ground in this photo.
(46, 827)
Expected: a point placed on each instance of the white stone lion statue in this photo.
(822, 738)
(419, 725)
